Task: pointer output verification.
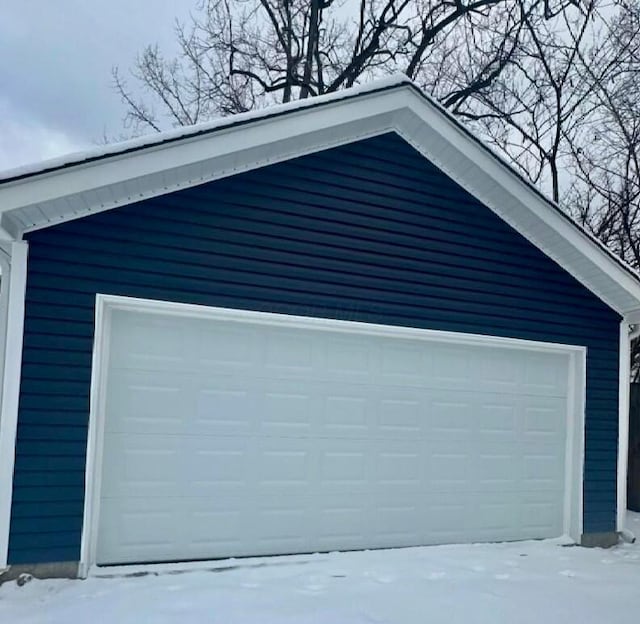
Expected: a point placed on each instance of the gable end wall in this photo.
(369, 232)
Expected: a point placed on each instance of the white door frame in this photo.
(105, 304)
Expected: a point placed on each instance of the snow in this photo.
(524, 582)
(187, 131)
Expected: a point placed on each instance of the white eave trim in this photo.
(40, 201)
(228, 151)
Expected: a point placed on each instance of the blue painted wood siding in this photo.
(369, 232)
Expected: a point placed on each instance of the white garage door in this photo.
(226, 438)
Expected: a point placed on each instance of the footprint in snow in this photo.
(568, 573)
(250, 581)
(380, 576)
(314, 584)
(479, 568)
(502, 577)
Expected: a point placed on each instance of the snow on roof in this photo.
(183, 132)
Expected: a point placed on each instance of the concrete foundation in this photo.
(62, 569)
(599, 540)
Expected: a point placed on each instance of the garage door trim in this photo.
(105, 304)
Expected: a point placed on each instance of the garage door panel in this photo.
(449, 470)
(403, 363)
(346, 414)
(499, 419)
(450, 417)
(148, 341)
(498, 469)
(140, 530)
(224, 406)
(496, 372)
(342, 521)
(344, 466)
(448, 517)
(147, 400)
(543, 470)
(216, 529)
(400, 464)
(218, 466)
(401, 414)
(235, 439)
(545, 374)
(285, 351)
(147, 465)
(544, 418)
(538, 514)
(287, 408)
(282, 466)
(226, 346)
(349, 358)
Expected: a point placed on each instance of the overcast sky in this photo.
(55, 69)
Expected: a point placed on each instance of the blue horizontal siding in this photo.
(369, 232)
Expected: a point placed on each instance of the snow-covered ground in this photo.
(522, 582)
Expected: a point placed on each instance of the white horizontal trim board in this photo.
(106, 304)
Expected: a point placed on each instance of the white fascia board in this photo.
(632, 317)
(235, 139)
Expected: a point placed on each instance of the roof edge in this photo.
(146, 141)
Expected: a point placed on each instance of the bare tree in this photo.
(534, 110)
(238, 56)
(553, 85)
(605, 191)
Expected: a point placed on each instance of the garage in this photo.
(339, 324)
(230, 433)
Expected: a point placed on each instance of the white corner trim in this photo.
(105, 304)
(11, 386)
(623, 423)
(574, 452)
(5, 267)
